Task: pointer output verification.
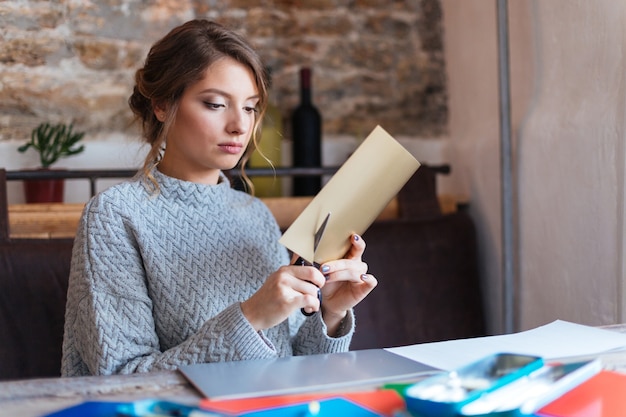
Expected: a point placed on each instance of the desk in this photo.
(35, 397)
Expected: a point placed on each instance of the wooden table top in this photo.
(37, 397)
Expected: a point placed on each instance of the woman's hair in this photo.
(179, 60)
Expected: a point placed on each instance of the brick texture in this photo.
(374, 61)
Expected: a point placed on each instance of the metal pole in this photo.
(508, 275)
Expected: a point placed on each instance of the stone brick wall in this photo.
(374, 61)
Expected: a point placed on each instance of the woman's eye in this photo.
(213, 106)
(250, 109)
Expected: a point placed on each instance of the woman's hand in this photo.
(344, 282)
(291, 287)
(346, 285)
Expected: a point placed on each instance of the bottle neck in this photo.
(305, 86)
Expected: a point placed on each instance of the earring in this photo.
(160, 116)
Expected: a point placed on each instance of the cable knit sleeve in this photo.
(311, 337)
(110, 326)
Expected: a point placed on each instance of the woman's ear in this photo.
(160, 111)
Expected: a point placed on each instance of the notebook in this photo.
(384, 401)
(604, 395)
(302, 374)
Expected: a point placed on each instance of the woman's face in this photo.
(213, 124)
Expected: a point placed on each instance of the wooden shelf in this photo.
(42, 221)
(60, 220)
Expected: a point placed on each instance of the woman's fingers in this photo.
(297, 286)
(357, 247)
(370, 282)
(289, 288)
(344, 270)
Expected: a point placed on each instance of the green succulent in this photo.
(53, 142)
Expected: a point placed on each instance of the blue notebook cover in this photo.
(89, 408)
(141, 408)
(333, 407)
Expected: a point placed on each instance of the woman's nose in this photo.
(238, 122)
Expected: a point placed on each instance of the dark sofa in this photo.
(425, 262)
(33, 286)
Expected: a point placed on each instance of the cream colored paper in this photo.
(354, 197)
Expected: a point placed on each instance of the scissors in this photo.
(304, 262)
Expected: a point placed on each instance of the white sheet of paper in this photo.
(354, 197)
(556, 340)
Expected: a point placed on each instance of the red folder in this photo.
(603, 395)
(385, 402)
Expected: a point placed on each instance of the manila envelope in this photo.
(355, 195)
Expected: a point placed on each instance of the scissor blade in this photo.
(320, 233)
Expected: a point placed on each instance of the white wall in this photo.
(571, 165)
(118, 152)
(568, 89)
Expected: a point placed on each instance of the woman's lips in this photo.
(231, 147)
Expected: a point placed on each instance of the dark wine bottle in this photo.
(306, 124)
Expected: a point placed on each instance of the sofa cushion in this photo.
(33, 287)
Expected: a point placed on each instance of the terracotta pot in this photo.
(44, 191)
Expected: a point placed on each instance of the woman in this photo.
(176, 267)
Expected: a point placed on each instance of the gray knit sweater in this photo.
(157, 280)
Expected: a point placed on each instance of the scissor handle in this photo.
(301, 261)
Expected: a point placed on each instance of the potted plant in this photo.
(52, 142)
